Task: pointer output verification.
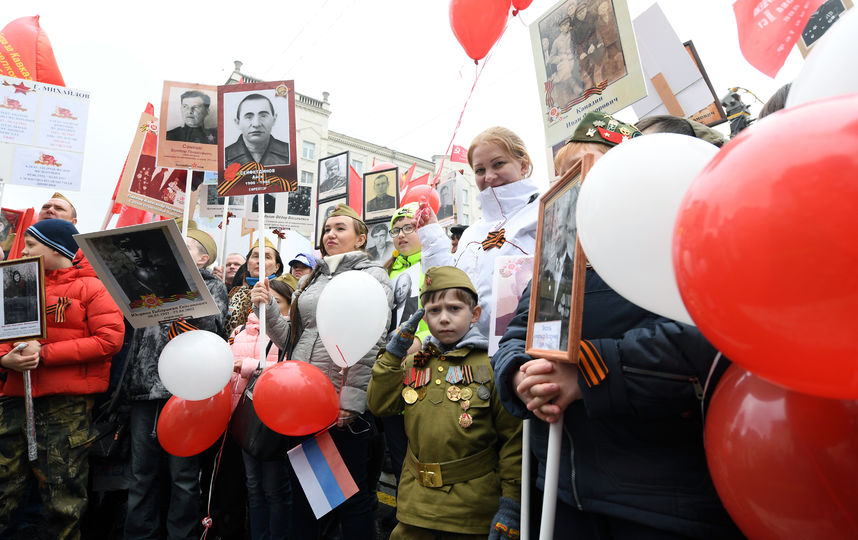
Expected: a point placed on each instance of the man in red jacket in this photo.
(84, 330)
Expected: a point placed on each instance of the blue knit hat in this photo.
(57, 234)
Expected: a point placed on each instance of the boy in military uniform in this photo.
(462, 472)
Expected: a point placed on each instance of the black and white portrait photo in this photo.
(299, 201)
(23, 314)
(556, 257)
(405, 297)
(20, 294)
(447, 201)
(269, 204)
(212, 206)
(379, 243)
(380, 196)
(333, 176)
(188, 134)
(323, 212)
(257, 127)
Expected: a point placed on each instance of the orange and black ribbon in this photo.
(234, 177)
(59, 309)
(590, 364)
(180, 327)
(495, 239)
(280, 234)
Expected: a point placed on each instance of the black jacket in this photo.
(633, 446)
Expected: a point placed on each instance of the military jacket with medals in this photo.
(464, 448)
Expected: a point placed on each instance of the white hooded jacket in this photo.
(512, 207)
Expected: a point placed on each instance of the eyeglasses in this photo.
(408, 229)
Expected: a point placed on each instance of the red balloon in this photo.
(765, 253)
(783, 462)
(186, 428)
(520, 5)
(422, 193)
(295, 398)
(478, 24)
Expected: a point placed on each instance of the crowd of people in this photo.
(426, 396)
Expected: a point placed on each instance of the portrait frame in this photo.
(211, 204)
(321, 216)
(807, 37)
(342, 160)
(292, 210)
(386, 207)
(24, 314)
(510, 277)
(713, 114)
(541, 334)
(448, 214)
(379, 256)
(567, 84)
(174, 150)
(238, 175)
(170, 288)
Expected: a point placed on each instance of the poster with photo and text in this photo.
(286, 211)
(42, 134)
(188, 137)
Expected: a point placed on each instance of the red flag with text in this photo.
(768, 29)
(459, 155)
(26, 53)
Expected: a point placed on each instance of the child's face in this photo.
(34, 248)
(493, 167)
(448, 318)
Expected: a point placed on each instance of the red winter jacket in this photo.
(76, 355)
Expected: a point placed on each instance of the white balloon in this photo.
(195, 365)
(626, 212)
(352, 314)
(829, 69)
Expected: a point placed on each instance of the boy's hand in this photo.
(547, 388)
(259, 293)
(23, 359)
(403, 339)
(425, 215)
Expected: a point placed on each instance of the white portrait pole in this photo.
(262, 275)
(525, 479)
(224, 224)
(552, 474)
(187, 211)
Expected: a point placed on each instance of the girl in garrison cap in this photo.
(343, 246)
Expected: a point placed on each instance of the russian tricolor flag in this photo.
(324, 477)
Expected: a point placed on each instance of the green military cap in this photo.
(204, 238)
(288, 279)
(446, 277)
(347, 211)
(597, 127)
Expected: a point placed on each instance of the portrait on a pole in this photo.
(188, 138)
(22, 286)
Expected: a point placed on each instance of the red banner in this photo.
(26, 53)
(768, 29)
(459, 155)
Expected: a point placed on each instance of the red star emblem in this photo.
(21, 88)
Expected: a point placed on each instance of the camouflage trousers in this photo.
(62, 467)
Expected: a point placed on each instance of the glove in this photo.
(403, 338)
(506, 522)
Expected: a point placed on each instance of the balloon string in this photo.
(207, 521)
(479, 71)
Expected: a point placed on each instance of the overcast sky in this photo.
(395, 72)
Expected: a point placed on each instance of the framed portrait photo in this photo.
(447, 214)
(557, 293)
(188, 138)
(379, 243)
(256, 138)
(323, 211)
(333, 176)
(23, 288)
(380, 194)
(149, 272)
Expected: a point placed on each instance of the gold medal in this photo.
(409, 395)
(421, 393)
(465, 404)
(454, 393)
(465, 420)
(467, 393)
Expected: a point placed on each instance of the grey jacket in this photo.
(142, 381)
(309, 347)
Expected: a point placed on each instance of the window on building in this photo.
(307, 178)
(308, 150)
(465, 194)
(358, 165)
(465, 220)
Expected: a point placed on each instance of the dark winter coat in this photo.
(633, 446)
